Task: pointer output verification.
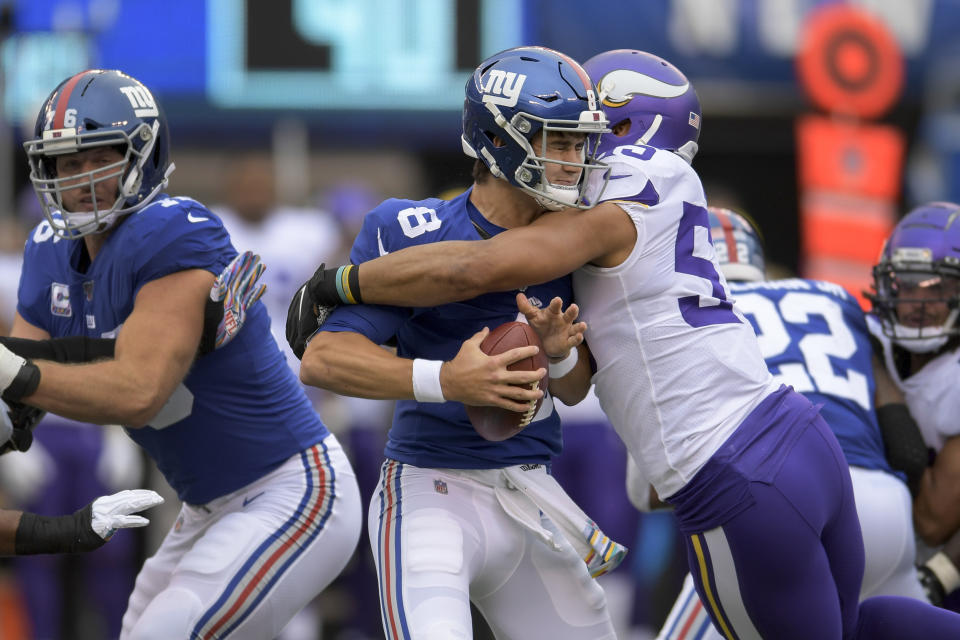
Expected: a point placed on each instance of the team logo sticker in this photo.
(503, 87)
(60, 300)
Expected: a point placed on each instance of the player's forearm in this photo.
(349, 364)
(573, 387)
(9, 521)
(106, 392)
(427, 275)
(936, 509)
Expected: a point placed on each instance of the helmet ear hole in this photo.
(655, 96)
(622, 128)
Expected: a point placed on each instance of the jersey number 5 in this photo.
(693, 257)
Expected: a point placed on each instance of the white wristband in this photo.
(565, 366)
(945, 571)
(426, 380)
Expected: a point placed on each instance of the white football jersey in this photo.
(931, 393)
(678, 368)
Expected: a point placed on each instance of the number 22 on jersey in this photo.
(815, 371)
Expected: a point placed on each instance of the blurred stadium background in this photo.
(314, 110)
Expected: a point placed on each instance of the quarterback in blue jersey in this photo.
(457, 518)
(270, 509)
(761, 489)
(814, 337)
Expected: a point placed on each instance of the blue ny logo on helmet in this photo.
(519, 93)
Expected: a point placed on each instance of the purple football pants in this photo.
(773, 540)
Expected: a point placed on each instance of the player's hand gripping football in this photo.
(233, 292)
(478, 379)
(558, 330)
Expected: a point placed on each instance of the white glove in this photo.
(6, 425)
(113, 512)
(10, 365)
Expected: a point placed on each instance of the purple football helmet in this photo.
(515, 94)
(657, 99)
(917, 278)
(738, 245)
(99, 108)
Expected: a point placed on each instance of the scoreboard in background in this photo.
(362, 54)
(361, 63)
(370, 55)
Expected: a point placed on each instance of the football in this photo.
(494, 423)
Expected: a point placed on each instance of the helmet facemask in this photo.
(531, 174)
(918, 304)
(50, 188)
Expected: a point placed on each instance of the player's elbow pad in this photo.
(904, 446)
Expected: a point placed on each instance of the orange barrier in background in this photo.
(849, 172)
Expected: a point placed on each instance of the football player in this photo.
(22, 533)
(270, 509)
(457, 517)
(759, 484)
(814, 337)
(914, 318)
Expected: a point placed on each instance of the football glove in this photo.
(113, 512)
(305, 316)
(234, 291)
(17, 420)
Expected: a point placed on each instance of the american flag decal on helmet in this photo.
(694, 120)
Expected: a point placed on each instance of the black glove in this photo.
(939, 576)
(305, 315)
(23, 419)
(931, 585)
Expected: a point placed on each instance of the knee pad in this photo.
(441, 618)
(432, 543)
(445, 630)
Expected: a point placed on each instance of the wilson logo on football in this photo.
(503, 87)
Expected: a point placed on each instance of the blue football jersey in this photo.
(813, 337)
(240, 411)
(439, 434)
